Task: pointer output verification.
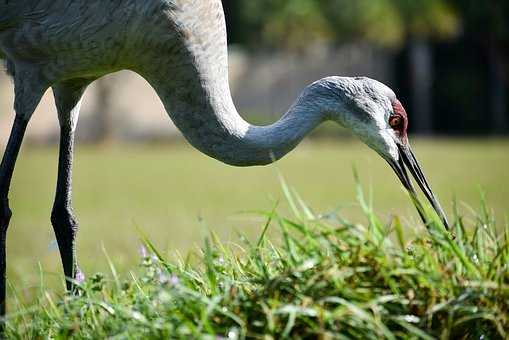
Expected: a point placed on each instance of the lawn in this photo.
(317, 277)
(176, 195)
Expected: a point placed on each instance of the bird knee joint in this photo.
(64, 218)
(5, 214)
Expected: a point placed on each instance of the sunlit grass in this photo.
(175, 194)
(317, 276)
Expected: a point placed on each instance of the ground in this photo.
(176, 195)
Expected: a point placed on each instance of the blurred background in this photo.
(448, 61)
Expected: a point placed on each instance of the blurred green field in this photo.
(175, 194)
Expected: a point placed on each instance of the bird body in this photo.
(88, 38)
(180, 48)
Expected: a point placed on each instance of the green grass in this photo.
(318, 276)
(175, 195)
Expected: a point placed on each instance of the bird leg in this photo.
(65, 225)
(6, 170)
(62, 218)
(29, 86)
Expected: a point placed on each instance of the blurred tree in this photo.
(277, 23)
(103, 127)
(390, 22)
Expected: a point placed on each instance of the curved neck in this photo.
(204, 112)
(189, 71)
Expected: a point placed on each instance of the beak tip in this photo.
(408, 159)
(446, 223)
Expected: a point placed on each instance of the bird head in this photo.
(373, 113)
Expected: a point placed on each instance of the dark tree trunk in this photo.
(498, 93)
(103, 129)
(421, 85)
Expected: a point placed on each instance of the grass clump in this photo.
(324, 277)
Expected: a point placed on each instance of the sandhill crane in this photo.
(179, 47)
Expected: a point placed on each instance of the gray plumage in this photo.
(180, 48)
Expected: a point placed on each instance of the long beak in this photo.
(406, 157)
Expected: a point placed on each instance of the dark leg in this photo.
(28, 88)
(67, 98)
(62, 218)
(6, 170)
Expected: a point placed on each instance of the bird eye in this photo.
(395, 122)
